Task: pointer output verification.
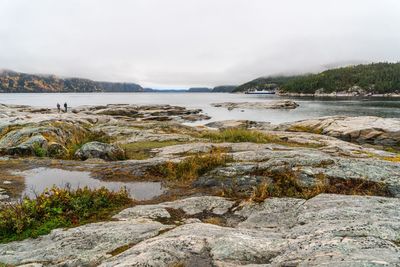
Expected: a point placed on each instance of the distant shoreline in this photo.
(332, 96)
(153, 92)
(339, 95)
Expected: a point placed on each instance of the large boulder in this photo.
(100, 150)
(46, 138)
(33, 146)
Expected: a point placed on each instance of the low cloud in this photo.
(182, 43)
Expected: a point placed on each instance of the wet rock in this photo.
(100, 150)
(364, 129)
(145, 113)
(281, 104)
(308, 164)
(195, 117)
(127, 170)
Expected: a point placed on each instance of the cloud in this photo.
(181, 43)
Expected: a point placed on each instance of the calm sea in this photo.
(309, 107)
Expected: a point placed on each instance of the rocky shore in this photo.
(339, 94)
(239, 193)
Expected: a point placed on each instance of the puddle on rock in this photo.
(37, 180)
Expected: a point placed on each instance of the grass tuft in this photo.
(58, 207)
(239, 135)
(214, 220)
(39, 151)
(306, 129)
(194, 166)
(392, 159)
(141, 150)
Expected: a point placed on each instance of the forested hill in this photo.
(377, 78)
(16, 82)
(224, 89)
(264, 83)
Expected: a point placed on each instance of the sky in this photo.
(191, 43)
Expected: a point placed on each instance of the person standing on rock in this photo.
(58, 107)
(65, 107)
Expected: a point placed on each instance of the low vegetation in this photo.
(393, 159)
(193, 166)
(214, 220)
(302, 128)
(58, 207)
(239, 135)
(141, 150)
(39, 151)
(287, 184)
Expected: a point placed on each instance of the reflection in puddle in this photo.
(37, 180)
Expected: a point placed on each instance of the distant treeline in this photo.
(372, 78)
(16, 82)
(264, 83)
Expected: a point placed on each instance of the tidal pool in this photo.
(37, 180)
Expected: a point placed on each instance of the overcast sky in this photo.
(182, 43)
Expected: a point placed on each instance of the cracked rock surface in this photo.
(327, 230)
